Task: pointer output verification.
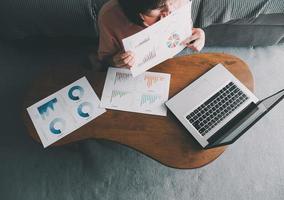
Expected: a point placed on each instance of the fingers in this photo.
(130, 63)
(124, 59)
(195, 35)
(196, 41)
(196, 46)
(188, 40)
(120, 57)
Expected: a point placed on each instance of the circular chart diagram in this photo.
(173, 40)
(57, 126)
(85, 109)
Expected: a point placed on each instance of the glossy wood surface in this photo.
(161, 138)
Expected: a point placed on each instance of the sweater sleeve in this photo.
(108, 43)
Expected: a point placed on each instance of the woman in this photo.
(119, 19)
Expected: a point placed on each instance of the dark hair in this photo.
(132, 8)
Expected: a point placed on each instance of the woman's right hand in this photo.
(123, 59)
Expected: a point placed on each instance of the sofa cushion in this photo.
(207, 12)
(52, 18)
(264, 30)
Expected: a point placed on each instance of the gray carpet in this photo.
(251, 168)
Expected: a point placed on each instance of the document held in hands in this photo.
(65, 111)
(160, 41)
(145, 93)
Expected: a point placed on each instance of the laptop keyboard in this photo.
(216, 108)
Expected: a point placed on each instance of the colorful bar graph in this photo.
(150, 99)
(117, 93)
(151, 80)
(121, 77)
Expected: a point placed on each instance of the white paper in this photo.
(65, 111)
(145, 93)
(160, 41)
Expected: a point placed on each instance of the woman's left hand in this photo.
(196, 41)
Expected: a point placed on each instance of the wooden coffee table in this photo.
(161, 138)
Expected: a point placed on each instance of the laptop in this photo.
(217, 108)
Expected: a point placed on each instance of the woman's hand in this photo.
(196, 41)
(125, 59)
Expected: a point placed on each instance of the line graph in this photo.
(149, 56)
(147, 39)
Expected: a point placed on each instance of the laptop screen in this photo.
(237, 126)
(242, 122)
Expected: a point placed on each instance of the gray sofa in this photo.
(251, 168)
(226, 22)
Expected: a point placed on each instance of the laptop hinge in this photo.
(233, 123)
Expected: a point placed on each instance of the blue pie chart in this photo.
(71, 94)
(57, 122)
(82, 109)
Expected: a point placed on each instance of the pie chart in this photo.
(173, 40)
